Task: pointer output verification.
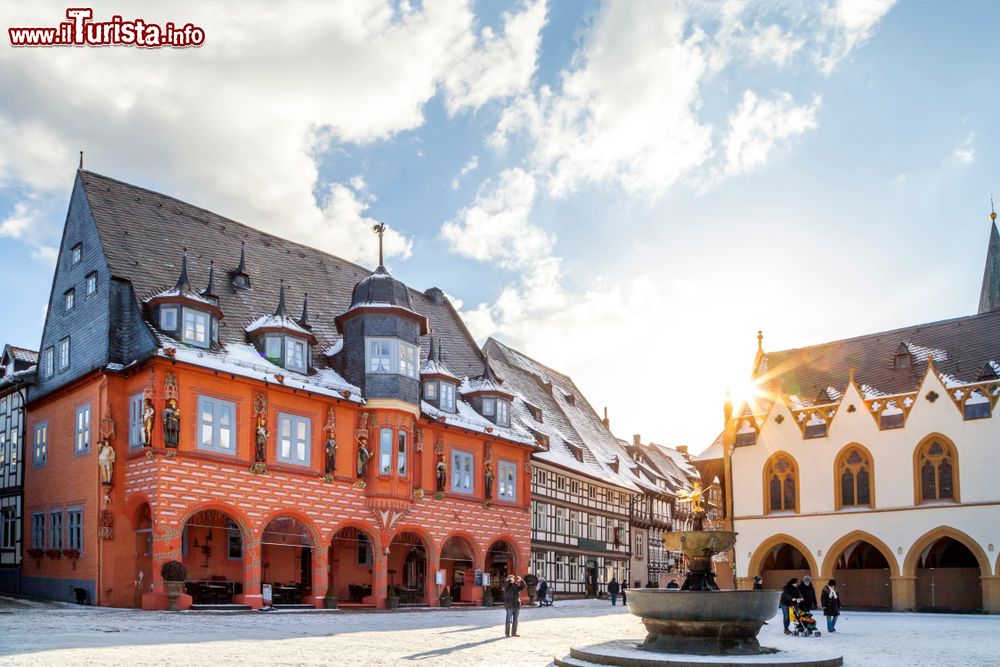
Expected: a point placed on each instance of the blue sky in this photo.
(626, 191)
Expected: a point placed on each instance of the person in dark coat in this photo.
(512, 587)
(613, 589)
(543, 591)
(758, 584)
(790, 596)
(672, 585)
(808, 592)
(830, 600)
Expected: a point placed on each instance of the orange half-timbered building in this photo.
(360, 450)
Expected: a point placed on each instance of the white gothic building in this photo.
(875, 460)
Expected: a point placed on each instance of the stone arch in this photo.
(955, 473)
(368, 529)
(838, 499)
(477, 551)
(135, 505)
(430, 544)
(932, 536)
(298, 515)
(407, 571)
(833, 553)
(244, 524)
(766, 481)
(765, 547)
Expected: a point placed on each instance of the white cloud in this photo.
(238, 126)
(497, 66)
(343, 219)
(774, 44)
(758, 126)
(470, 165)
(966, 153)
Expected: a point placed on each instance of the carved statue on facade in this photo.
(442, 473)
(260, 430)
(363, 456)
(106, 460)
(489, 480)
(171, 424)
(148, 419)
(331, 443)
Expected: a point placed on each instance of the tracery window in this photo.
(936, 472)
(781, 479)
(854, 478)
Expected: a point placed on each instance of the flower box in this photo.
(54, 553)
(72, 554)
(36, 553)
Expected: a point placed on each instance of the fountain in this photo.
(699, 624)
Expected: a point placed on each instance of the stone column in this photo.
(320, 575)
(991, 594)
(251, 574)
(166, 547)
(904, 593)
(380, 575)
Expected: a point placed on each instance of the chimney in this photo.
(435, 295)
(607, 423)
(683, 449)
(636, 439)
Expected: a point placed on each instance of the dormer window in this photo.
(489, 406)
(197, 325)
(430, 391)
(168, 318)
(280, 339)
(391, 355)
(902, 359)
(295, 354)
(287, 351)
(503, 413)
(447, 400)
(185, 314)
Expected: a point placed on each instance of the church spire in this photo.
(989, 297)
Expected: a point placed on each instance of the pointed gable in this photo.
(989, 296)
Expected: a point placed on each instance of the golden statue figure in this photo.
(695, 496)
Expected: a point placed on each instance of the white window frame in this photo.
(402, 451)
(271, 354)
(64, 352)
(48, 362)
(197, 316)
(8, 529)
(296, 362)
(41, 443)
(447, 400)
(462, 479)
(38, 530)
(76, 254)
(218, 409)
(135, 405)
(74, 528)
(394, 357)
(81, 440)
(56, 529)
(90, 280)
(507, 478)
(503, 412)
(69, 299)
(385, 451)
(294, 438)
(430, 390)
(168, 318)
(489, 406)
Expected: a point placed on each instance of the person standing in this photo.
(790, 596)
(830, 600)
(758, 583)
(808, 592)
(543, 591)
(672, 585)
(512, 587)
(613, 589)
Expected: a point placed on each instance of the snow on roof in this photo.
(922, 353)
(435, 367)
(244, 360)
(337, 346)
(468, 418)
(276, 322)
(481, 383)
(12, 378)
(173, 292)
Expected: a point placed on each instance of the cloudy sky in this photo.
(626, 191)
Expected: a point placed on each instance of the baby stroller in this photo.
(805, 624)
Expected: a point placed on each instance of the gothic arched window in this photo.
(854, 478)
(936, 471)
(780, 484)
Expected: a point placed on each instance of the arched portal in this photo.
(352, 567)
(780, 561)
(948, 577)
(458, 562)
(212, 546)
(286, 550)
(408, 568)
(501, 560)
(863, 575)
(142, 526)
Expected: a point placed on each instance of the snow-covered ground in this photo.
(59, 634)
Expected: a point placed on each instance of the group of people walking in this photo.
(802, 596)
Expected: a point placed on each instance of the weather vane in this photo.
(993, 213)
(380, 230)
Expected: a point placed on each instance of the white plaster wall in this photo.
(894, 519)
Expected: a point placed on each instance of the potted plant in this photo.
(487, 597)
(53, 553)
(174, 573)
(445, 598)
(330, 599)
(391, 601)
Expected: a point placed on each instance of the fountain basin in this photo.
(698, 543)
(703, 622)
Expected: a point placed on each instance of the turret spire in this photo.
(183, 284)
(431, 355)
(211, 281)
(242, 268)
(304, 320)
(281, 312)
(989, 296)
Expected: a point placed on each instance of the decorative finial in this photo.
(281, 300)
(243, 258)
(81, 161)
(431, 355)
(183, 284)
(851, 379)
(304, 320)
(211, 280)
(993, 213)
(441, 351)
(760, 339)
(380, 230)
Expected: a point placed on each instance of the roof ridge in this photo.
(884, 333)
(529, 358)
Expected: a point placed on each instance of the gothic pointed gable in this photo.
(989, 296)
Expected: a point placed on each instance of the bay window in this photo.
(391, 355)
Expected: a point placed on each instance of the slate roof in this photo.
(989, 296)
(568, 423)
(960, 347)
(22, 354)
(143, 232)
